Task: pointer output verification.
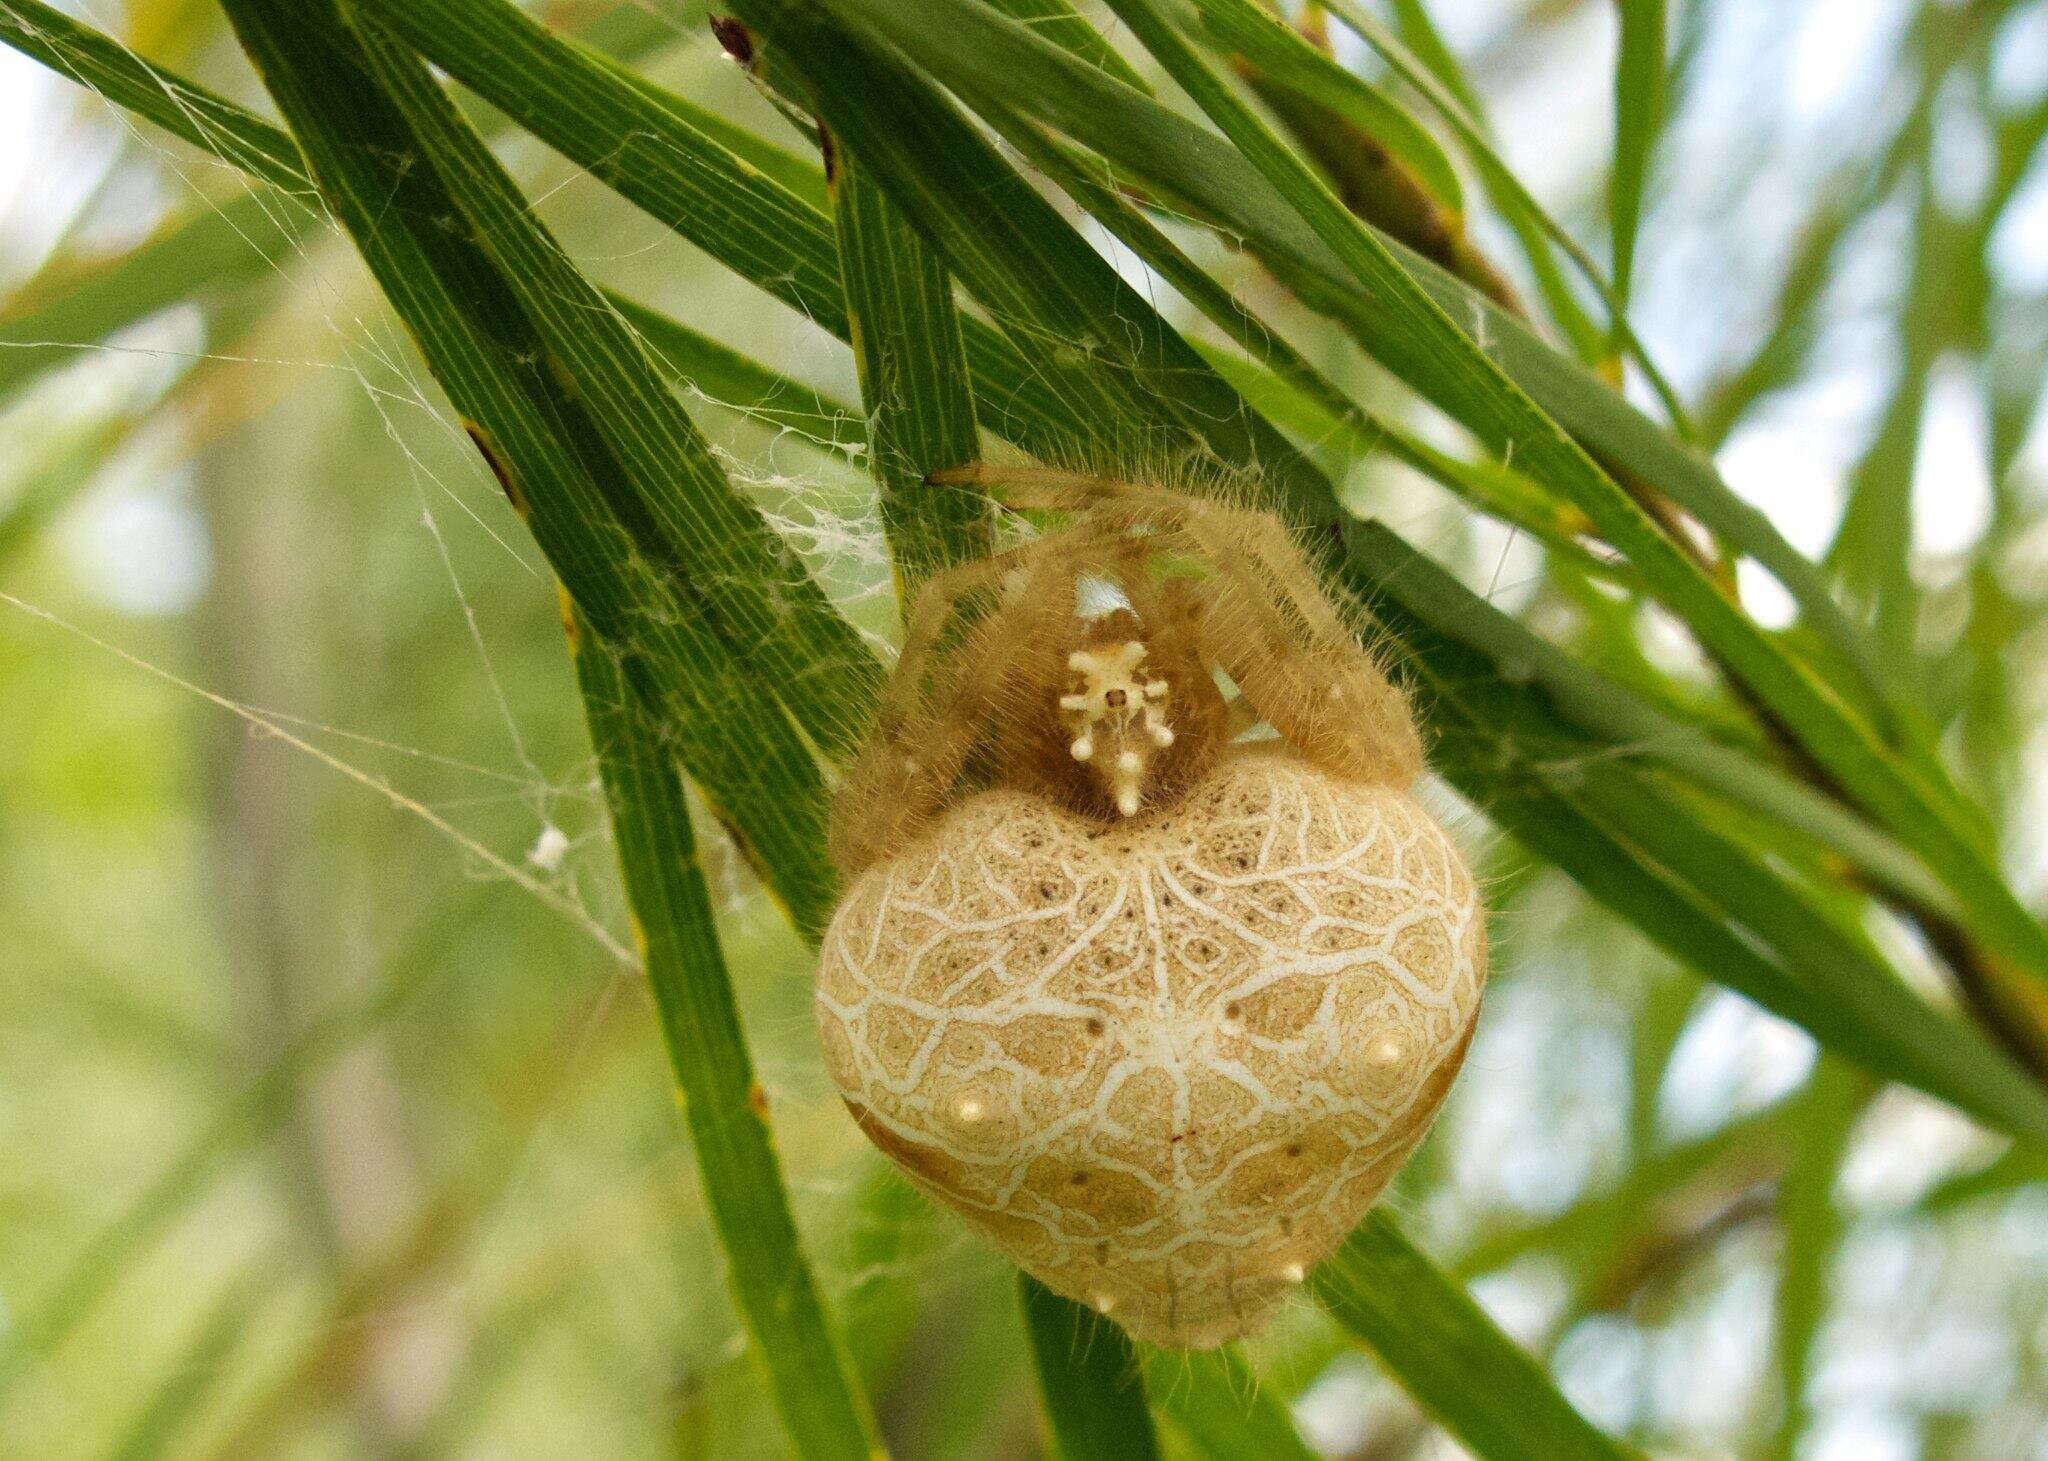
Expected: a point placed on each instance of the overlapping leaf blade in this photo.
(722, 1101)
(382, 174)
(1090, 1379)
(1439, 1342)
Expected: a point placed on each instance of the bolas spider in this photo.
(1157, 986)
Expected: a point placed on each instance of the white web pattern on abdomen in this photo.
(1166, 1066)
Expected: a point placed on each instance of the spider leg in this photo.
(932, 715)
(1271, 628)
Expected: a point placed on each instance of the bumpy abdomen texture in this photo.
(1167, 1066)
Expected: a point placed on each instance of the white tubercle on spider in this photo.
(1115, 702)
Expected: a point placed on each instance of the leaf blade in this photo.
(1089, 1378)
(1639, 75)
(722, 1101)
(912, 365)
(1437, 1341)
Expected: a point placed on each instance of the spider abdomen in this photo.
(1167, 1064)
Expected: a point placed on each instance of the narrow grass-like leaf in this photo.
(759, 775)
(1811, 1228)
(1611, 711)
(722, 376)
(665, 156)
(1423, 57)
(215, 248)
(1135, 391)
(1570, 797)
(1356, 434)
(913, 380)
(1060, 23)
(1295, 395)
(104, 65)
(1286, 60)
(1090, 1379)
(1534, 226)
(1219, 1403)
(1638, 119)
(730, 204)
(722, 1102)
(1448, 1354)
(199, 1367)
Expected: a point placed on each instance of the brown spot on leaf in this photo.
(500, 468)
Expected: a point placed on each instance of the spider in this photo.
(1148, 964)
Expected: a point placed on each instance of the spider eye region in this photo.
(1119, 708)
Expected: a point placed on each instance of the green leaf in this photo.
(719, 375)
(1705, 898)
(1610, 711)
(1089, 1377)
(208, 251)
(913, 381)
(664, 155)
(730, 204)
(684, 514)
(1419, 55)
(1638, 119)
(106, 66)
(1447, 1353)
(1442, 84)
(1287, 60)
(1357, 434)
(1134, 393)
(1060, 23)
(723, 1103)
(1295, 395)
(1222, 1407)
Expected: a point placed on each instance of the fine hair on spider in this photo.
(1083, 665)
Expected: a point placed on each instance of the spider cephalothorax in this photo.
(1156, 986)
(1118, 717)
